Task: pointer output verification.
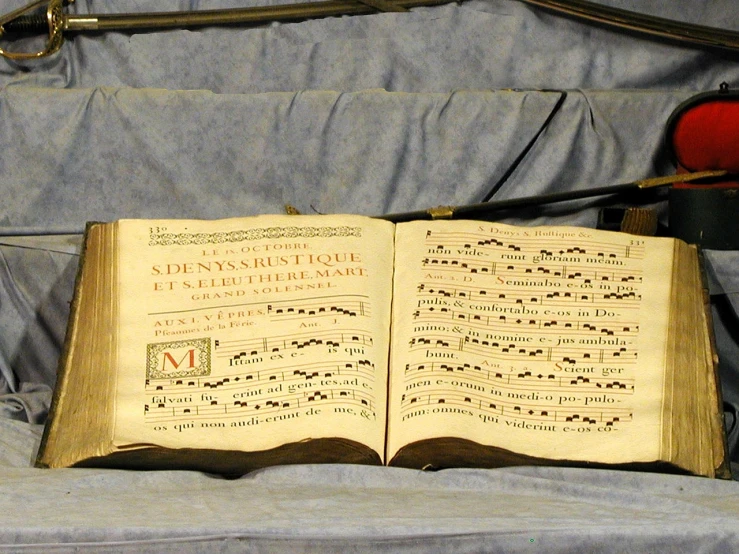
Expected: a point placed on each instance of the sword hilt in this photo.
(24, 21)
(35, 23)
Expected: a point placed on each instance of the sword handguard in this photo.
(54, 19)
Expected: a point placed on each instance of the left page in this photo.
(247, 334)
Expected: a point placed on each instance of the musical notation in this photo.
(237, 349)
(164, 412)
(544, 413)
(468, 292)
(441, 240)
(528, 326)
(353, 305)
(441, 314)
(580, 273)
(270, 390)
(516, 379)
(296, 372)
(512, 351)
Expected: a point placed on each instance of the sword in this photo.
(56, 22)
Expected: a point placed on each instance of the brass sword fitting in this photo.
(55, 19)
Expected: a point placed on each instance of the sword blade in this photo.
(230, 16)
(642, 23)
(581, 9)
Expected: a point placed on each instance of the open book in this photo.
(230, 345)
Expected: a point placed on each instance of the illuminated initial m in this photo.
(180, 358)
(168, 357)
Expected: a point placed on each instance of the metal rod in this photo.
(485, 208)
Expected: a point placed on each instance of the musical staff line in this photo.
(295, 341)
(516, 380)
(244, 380)
(533, 412)
(161, 412)
(352, 305)
(594, 299)
(435, 314)
(511, 351)
(573, 272)
(442, 240)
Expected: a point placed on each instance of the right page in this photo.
(547, 342)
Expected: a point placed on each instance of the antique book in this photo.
(230, 345)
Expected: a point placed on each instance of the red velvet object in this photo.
(703, 134)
